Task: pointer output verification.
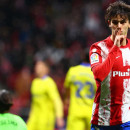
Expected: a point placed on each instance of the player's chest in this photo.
(122, 59)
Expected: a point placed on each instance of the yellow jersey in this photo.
(82, 86)
(46, 104)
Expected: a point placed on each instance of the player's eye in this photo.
(122, 21)
(116, 21)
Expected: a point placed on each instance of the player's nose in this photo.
(119, 25)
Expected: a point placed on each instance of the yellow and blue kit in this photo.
(46, 104)
(82, 86)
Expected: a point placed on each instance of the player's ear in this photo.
(109, 23)
(129, 24)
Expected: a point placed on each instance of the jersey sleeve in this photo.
(68, 79)
(55, 96)
(95, 55)
(102, 68)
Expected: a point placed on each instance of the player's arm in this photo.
(66, 90)
(29, 123)
(66, 98)
(101, 69)
(58, 105)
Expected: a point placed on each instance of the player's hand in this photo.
(60, 122)
(119, 38)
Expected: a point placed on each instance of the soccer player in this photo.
(9, 121)
(110, 63)
(46, 106)
(81, 84)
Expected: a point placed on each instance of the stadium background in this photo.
(57, 30)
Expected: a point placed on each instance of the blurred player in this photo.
(80, 82)
(9, 121)
(46, 106)
(110, 63)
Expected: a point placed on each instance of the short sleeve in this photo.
(68, 78)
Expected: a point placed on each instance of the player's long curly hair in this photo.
(5, 100)
(117, 8)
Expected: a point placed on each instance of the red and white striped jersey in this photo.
(111, 68)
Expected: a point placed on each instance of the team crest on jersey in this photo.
(94, 58)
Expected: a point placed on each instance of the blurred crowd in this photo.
(57, 30)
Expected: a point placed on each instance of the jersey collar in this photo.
(44, 76)
(85, 64)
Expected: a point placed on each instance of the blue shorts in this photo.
(124, 126)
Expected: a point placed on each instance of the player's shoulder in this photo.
(82, 67)
(45, 79)
(49, 80)
(100, 43)
(15, 117)
(79, 68)
(41, 79)
(35, 79)
(100, 46)
(74, 68)
(20, 121)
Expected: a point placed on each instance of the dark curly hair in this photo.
(6, 100)
(117, 8)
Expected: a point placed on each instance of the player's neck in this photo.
(41, 75)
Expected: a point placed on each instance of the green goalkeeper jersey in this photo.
(10, 121)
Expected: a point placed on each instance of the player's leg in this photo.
(75, 123)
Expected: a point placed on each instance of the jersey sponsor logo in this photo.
(94, 58)
(8, 122)
(120, 73)
(117, 57)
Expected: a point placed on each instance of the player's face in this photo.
(41, 69)
(119, 23)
